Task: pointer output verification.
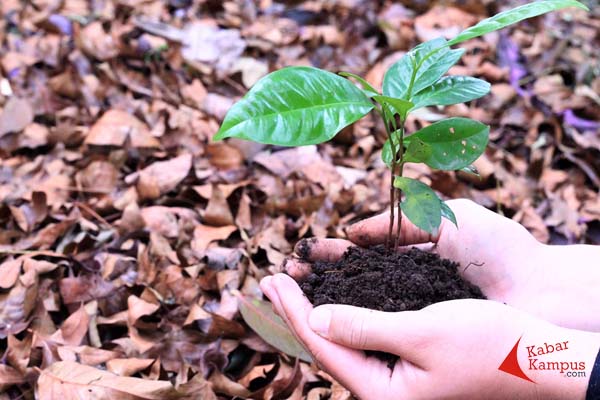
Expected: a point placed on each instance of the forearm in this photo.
(568, 279)
(560, 361)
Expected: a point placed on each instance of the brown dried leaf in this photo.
(16, 115)
(115, 127)
(128, 366)
(217, 212)
(72, 381)
(204, 235)
(224, 156)
(163, 176)
(10, 376)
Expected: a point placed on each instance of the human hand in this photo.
(495, 253)
(449, 350)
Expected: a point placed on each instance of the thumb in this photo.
(375, 230)
(405, 334)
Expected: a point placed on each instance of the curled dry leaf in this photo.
(138, 308)
(163, 176)
(204, 235)
(217, 212)
(74, 329)
(99, 175)
(128, 366)
(84, 288)
(9, 272)
(72, 381)
(168, 221)
(95, 42)
(224, 156)
(16, 115)
(10, 376)
(116, 126)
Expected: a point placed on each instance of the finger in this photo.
(334, 358)
(314, 249)
(268, 290)
(407, 334)
(296, 268)
(375, 230)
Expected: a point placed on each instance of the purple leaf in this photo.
(570, 118)
(62, 23)
(509, 56)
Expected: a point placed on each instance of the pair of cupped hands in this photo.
(452, 350)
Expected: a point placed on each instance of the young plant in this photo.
(298, 106)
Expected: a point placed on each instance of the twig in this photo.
(94, 214)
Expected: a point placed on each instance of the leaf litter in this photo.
(132, 246)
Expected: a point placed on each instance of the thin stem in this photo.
(401, 169)
(391, 227)
(392, 189)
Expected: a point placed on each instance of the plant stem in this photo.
(400, 162)
(390, 134)
(392, 193)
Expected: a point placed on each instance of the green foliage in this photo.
(402, 107)
(422, 66)
(513, 16)
(298, 106)
(451, 90)
(455, 142)
(295, 106)
(421, 205)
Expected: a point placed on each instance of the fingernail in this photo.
(302, 248)
(284, 264)
(319, 320)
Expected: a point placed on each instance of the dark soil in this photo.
(387, 281)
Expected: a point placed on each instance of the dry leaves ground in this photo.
(125, 233)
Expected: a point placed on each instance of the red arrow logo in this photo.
(510, 365)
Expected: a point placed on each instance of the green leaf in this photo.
(401, 106)
(259, 316)
(434, 67)
(510, 17)
(455, 142)
(417, 151)
(367, 88)
(448, 213)
(451, 90)
(295, 106)
(420, 205)
(434, 58)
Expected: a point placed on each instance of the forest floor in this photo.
(126, 233)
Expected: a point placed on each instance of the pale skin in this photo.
(453, 349)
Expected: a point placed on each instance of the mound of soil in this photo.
(378, 279)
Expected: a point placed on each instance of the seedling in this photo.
(298, 106)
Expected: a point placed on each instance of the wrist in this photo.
(559, 361)
(568, 279)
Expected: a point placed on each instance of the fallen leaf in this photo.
(115, 127)
(72, 381)
(217, 212)
(16, 115)
(163, 176)
(128, 366)
(204, 235)
(260, 317)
